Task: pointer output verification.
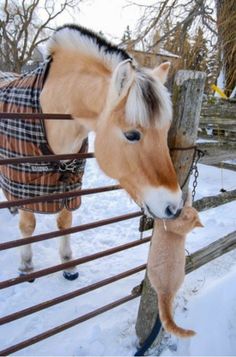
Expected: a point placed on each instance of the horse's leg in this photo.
(64, 220)
(27, 223)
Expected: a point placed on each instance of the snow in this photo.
(211, 313)
(232, 161)
(204, 141)
(206, 302)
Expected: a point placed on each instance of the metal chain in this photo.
(197, 156)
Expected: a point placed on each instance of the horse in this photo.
(127, 106)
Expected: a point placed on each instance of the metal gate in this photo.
(54, 234)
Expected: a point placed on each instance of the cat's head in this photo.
(187, 220)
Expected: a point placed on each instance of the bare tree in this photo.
(187, 28)
(185, 14)
(24, 25)
(217, 20)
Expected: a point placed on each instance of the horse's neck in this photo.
(74, 86)
(65, 136)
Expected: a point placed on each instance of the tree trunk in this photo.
(226, 23)
(187, 98)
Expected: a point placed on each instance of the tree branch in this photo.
(22, 29)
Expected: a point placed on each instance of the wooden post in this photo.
(214, 201)
(187, 99)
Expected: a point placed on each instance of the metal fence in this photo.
(54, 234)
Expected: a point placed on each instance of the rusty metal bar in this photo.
(36, 116)
(40, 273)
(56, 196)
(72, 230)
(46, 304)
(67, 325)
(45, 158)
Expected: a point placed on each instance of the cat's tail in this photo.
(165, 309)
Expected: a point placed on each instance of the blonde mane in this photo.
(148, 102)
(87, 42)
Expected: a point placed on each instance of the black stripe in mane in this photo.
(100, 41)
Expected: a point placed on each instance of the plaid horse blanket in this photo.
(19, 137)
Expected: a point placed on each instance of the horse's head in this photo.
(129, 109)
(131, 138)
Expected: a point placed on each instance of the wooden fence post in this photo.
(187, 99)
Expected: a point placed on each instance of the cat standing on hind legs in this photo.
(166, 262)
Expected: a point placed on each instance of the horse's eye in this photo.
(132, 135)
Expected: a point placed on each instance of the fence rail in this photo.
(56, 196)
(212, 251)
(67, 325)
(40, 273)
(36, 116)
(46, 304)
(45, 158)
(62, 232)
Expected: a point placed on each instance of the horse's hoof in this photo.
(21, 273)
(70, 276)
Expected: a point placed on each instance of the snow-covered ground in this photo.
(205, 303)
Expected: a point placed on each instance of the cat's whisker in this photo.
(164, 224)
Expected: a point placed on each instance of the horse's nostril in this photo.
(171, 211)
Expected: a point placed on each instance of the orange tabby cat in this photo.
(166, 263)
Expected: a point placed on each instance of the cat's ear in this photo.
(198, 223)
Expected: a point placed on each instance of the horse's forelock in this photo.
(148, 103)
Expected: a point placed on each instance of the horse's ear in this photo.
(161, 72)
(121, 80)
